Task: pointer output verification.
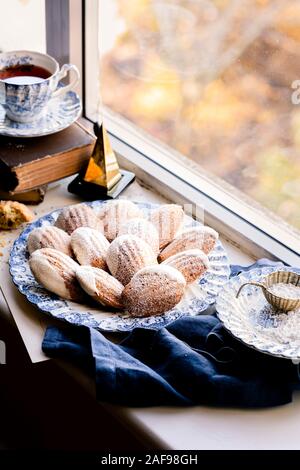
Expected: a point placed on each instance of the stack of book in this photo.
(28, 165)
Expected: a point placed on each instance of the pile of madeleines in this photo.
(120, 258)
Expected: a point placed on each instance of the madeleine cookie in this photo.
(90, 247)
(79, 215)
(153, 290)
(191, 263)
(115, 213)
(13, 214)
(126, 255)
(203, 238)
(49, 237)
(168, 220)
(100, 285)
(56, 272)
(143, 229)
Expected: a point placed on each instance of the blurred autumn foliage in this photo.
(212, 79)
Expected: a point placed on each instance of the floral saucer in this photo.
(61, 112)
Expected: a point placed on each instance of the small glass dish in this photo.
(284, 304)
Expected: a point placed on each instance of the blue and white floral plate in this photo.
(198, 297)
(61, 112)
(252, 320)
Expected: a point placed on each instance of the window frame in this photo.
(158, 165)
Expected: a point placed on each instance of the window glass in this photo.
(217, 80)
(22, 25)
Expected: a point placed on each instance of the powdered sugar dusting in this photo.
(191, 263)
(56, 272)
(87, 279)
(280, 327)
(100, 285)
(49, 237)
(189, 254)
(78, 215)
(115, 213)
(202, 238)
(168, 220)
(126, 255)
(153, 290)
(171, 273)
(143, 229)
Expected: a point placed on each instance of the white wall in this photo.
(22, 25)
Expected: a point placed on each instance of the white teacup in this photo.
(25, 98)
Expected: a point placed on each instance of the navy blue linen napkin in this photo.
(191, 361)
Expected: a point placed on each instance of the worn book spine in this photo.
(30, 163)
